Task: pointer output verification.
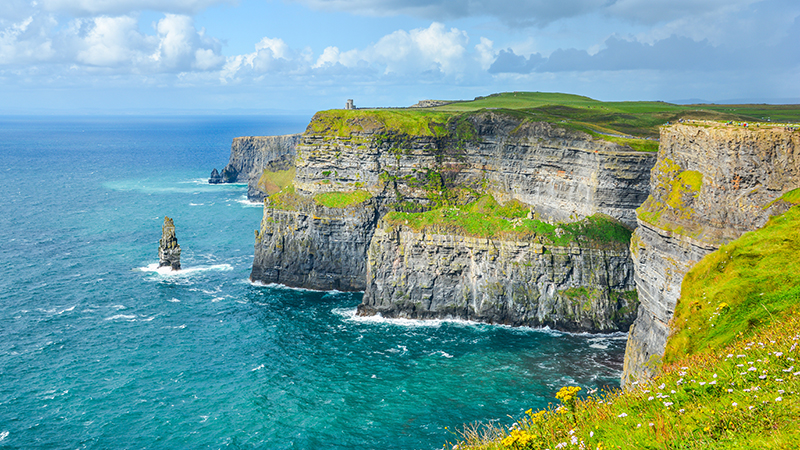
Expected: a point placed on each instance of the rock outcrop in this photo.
(215, 178)
(169, 252)
(711, 184)
(251, 155)
(423, 275)
(563, 175)
(315, 247)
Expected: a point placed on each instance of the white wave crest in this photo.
(249, 203)
(168, 272)
(128, 317)
(3, 436)
(283, 286)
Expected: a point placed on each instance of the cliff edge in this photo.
(712, 182)
(251, 156)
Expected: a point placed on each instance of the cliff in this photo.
(251, 156)
(354, 167)
(425, 274)
(711, 184)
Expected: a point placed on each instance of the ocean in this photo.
(100, 350)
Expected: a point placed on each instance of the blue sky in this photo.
(198, 56)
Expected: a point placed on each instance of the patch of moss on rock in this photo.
(342, 199)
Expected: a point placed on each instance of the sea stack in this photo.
(215, 178)
(169, 252)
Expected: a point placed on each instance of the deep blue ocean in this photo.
(98, 350)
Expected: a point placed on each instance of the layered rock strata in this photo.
(314, 247)
(251, 155)
(169, 252)
(711, 184)
(423, 275)
(564, 175)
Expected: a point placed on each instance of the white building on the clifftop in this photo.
(349, 104)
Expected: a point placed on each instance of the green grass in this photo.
(273, 182)
(743, 285)
(342, 199)
(731, 377)
(487, 218)
(742, 396)
(635, 124)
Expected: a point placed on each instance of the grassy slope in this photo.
(733, 385)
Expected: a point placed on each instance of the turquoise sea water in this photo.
(99, 350)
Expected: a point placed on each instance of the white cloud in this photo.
(270, 55)
(486, 54)
(26, 41)
(429, 49)
(112, 41)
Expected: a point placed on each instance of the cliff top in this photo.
(632, 123)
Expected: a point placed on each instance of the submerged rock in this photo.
(169, 252)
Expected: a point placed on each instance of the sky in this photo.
(299, 56)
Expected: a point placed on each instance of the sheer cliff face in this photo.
(251, 155)
(711, 184)
(429, 275)
(564, 175)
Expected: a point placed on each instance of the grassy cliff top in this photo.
(623, 122)
(733, 375)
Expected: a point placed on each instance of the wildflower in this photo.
(638, 425)
(681, 410)
(591, 434)
(734, 404)
(650, 398)
(668, 404)
(561, 445)
(623, 415)
(574, 440)
(777, 399)
(651, 424)
(762, 377)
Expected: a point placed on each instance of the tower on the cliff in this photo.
(349, 104)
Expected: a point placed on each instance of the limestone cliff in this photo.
(565, 174)
(309, 239)
(424, 275)
(251, 155)
(169, 252)
(711, 184)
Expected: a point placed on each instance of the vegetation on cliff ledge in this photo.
(730, 382)
(487, 218)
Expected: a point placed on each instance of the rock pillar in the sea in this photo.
(169, 252)
(215, 178)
